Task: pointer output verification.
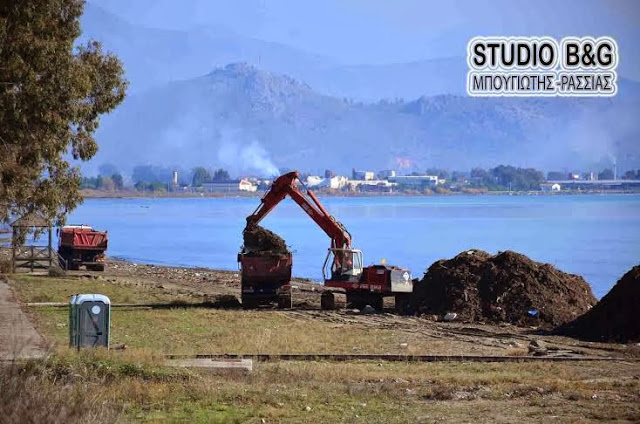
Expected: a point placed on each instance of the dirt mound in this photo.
(615, 318)
(259, 240)
(507, 287)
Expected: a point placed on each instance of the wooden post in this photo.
(13, 251)
(32, 258)
(50, 251)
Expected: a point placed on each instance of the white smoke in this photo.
(239, 156)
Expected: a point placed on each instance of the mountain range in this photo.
(212, 97)
(156, 56)
(251, 120)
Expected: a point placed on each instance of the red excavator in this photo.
(343, 268)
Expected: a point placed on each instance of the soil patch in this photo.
(226, 301)
(615, 317)
(259, 240)
(507, 287)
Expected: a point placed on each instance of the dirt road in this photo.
(18, 337)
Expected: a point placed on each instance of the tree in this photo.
(118, 181)
(458, 176)
(556, 175)
(606, 174)
(89, 182)
(200, 176)
(51, 100)
(442, 174)
(221, 175)
(106, 183)
(479, 173)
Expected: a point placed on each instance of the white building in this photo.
(415, 180)
(335, 183)
(369, 184)
(550, 187)
(386, 174)
(314, 180)
(362, 175)
(230, 186)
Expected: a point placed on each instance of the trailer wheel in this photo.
(249, 303)
(402, 306)
(284, 301)
(327, 301)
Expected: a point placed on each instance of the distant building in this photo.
(370, 185)
(362, 175)
(415, 181)
(573, 176)
(313, 180)
(386, 174)
(550, 187)
(335, 183)
(229, 186)
(329, 174)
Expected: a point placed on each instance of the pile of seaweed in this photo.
(508, 287)
(616, 318)
(260, 241)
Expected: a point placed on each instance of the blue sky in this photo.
(383, 31)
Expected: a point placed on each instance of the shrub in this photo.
(5, 266)
(29, 397)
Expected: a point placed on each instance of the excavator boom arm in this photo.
(286, 185)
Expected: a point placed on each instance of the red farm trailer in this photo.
(265, 278)
(82, 245)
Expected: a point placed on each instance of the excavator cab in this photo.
(342, 264)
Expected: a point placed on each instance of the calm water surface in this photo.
(596, 236)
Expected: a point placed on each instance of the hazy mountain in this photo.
(401, 80)
(249, 120)
(156, 56)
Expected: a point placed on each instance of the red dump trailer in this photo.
(82, 245)
(265, 279)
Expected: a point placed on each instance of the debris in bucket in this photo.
(259, 240)
(615, 317)
(507, 287)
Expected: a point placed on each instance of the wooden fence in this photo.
(33, 257)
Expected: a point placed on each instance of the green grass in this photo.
(46, 289)
(204, 330)
(201, 330)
